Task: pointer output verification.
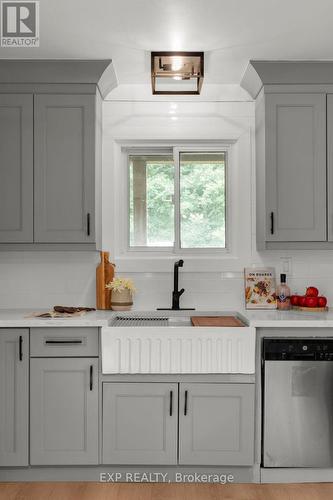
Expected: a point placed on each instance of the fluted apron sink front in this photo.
(163, 344)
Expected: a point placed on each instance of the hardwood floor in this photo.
(97, 491)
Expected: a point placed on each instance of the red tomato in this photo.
(322, 301)
(311, 302)
(312, 291)
(301, 300)
(294, 300)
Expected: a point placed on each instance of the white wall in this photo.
(43, 279)
(157, 123)
(209, 283)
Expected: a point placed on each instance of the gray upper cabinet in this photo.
(330, 164)
(64, 411)
(294, 153)
(14, 397)
(16, 168)
(140, 423)
(64, 168)
(51, 152)
(295, 147)
(216, 424)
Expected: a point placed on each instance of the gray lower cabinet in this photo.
(216, 424)
(16, 168)
(64, 201)
(14, 397)
(140, 423)
(63, 342)
(63, 411)
(295, 167)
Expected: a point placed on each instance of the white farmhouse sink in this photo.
(149, 343)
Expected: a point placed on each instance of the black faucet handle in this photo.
(181, 292)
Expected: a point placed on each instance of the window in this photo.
(177, 200)
(151, 201)
(202, 200)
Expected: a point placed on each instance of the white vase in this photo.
(121, 301)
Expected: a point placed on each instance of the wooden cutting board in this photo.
(104, 274)
(54, 314)
(310, 309)
(216, 321)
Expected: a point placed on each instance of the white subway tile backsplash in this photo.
(42, 279)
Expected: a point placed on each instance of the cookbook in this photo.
(260, 290)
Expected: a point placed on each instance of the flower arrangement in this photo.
(122, 290)
(121, 284)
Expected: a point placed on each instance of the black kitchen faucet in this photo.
(176, 293)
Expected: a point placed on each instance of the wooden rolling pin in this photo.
(104, 274)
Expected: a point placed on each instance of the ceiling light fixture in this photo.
(177, 72)
(177, 63)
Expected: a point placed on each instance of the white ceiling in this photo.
(230, 32)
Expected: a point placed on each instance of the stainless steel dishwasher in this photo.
(297, 402)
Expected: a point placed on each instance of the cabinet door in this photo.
(14, 397)
(16, 168)
(64, 411)
(216, 424)
(140, 423)
(295, 167)
(64, 168)
(330, 165)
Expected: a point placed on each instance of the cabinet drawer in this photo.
(59, 342)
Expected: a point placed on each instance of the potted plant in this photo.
(122, 290)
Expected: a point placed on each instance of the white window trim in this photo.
(235, 257)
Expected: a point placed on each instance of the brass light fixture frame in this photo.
(198, 76)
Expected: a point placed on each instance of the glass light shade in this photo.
(177, 72)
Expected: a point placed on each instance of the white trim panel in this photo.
(178, 350)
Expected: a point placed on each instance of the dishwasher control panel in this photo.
(282, 349)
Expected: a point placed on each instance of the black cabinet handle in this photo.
(20, 348)
(63, 342)
(171, 402)
(88, 224)
(91, 378)
(272, 222)
(185, 403)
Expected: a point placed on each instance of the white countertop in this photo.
(296, 319)
(19, 318)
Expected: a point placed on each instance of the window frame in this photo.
(175, 151)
